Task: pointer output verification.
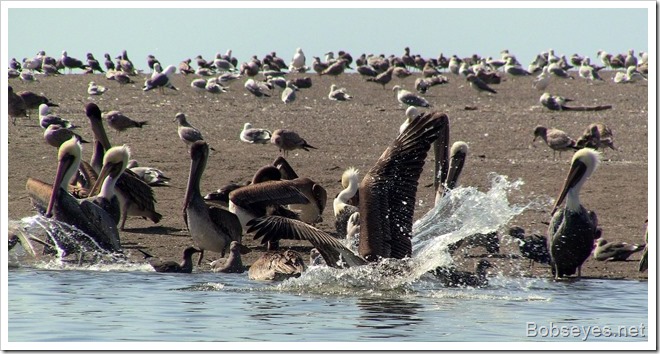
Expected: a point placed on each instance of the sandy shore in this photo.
(355, 133)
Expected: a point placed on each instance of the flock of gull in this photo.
(374, 215)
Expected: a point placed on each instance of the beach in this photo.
(498, 129)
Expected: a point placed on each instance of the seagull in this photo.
(93, 64)
(289, 93)
(478, 85)
(233, 264)
(212, 86)
(258, 89)
(255, 135)
(119, 122)
(587, 71)
(556, 139)
(615, 251)
(338, 94)
(55, 135)
(534, 247)
(95, 90)
(46, 119)
(298, 61)
(161, 80)
(408, 98)
(187, 132)
(198, 85)
(411, 113)
(71, 63)
(287, 140)
(16, 105)
(150, 175)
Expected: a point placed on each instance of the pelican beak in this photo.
(106, 170)
(65, 163)
(99, 133)
(575, 174)
(441, 154)
(455, 168)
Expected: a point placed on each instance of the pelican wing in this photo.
(259, 196)
(272, 228)
(285, 169)
(141, 193)
(105, 227)
(227, 222)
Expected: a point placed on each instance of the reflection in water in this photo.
(388, 313)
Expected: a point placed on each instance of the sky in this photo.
(174, 34)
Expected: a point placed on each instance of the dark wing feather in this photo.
(103, 225)
(388, 190)
(285, 169)
(257, 197)
(227, 221)
(139, 191)
(273, 228)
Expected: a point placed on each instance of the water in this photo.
(395, 301)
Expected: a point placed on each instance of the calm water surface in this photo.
(129, 302)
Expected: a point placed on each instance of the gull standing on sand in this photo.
(16, 105)
(572, 228)
(187, 132)
(298, 61)
(95, 90)
(556, 139)
(258, 89)
(34, 100)
(596, 136)
(119, 122)
(477, 84)
(255, 135)
(587, 71)
(338, 94)
(408, 98)
(542, 80)
(287, 140)
(161, 80)
(289, 93)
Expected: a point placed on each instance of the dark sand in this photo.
(499, 134)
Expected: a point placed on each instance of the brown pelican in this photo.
(451, 277)
(287, 140)
(102, 193)
(387, 201)
(212, 228)
(55, 201)
(451, 173)
(135, 197)
(341, 206)
(277, 265)
(615, 251)
(161, 266)
(233, 264)
(572, 228)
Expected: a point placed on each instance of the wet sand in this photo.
(499, 133)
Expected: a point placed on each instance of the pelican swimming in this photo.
(572, 228)
(387, 201)
(56, 202)
(211, 228)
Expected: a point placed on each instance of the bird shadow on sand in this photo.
(158, 230)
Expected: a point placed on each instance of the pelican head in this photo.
(68, 158)
(350, 175)
(459, 151)
(396, 88)
(583, 164)
(115, 162)
(93, 112)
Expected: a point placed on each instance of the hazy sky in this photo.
(178, 33)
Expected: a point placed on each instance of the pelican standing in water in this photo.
(212, 228)
(387, 201)
(58, 203)
(572, 228)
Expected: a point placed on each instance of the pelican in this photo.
(615, 251)
(277, 265)
(115, 161)
(341, 207)
(212, 228)
(458, 155)
(387, 201)
(161, 266)
(408, 98)
(572, 228)
(56, 202)
(255, 135)
(287, 140)
(135, 197)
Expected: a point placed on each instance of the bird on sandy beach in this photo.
(55, 135)
(572, 228)
(298, 61)
(161, 266)
(198, 85)
(34, 100)
(93, 64)
(109, 64)
(72, 63)
(151, 62)
(212, 86)
(27, 76)
(46, 118)
(255, 135)
(150, 175)
(287, 140)
(556, 139)
(587, 71)
(185, 68)
(233, 264)
(277, 265)
(318, 66)
(556, 70)
(542, 81)
(16, 105)
(631, 75)
(533, 247)
(212, 228)
(408, 98)
(450, 277)
(511, 68)
(478, 84)
(187, 133)
(387, 201)
(338, 94)
(596, 136)
(119, 122)
(161, 80)
(54, 201)
(557, 103)
(383, 78)
(423, 84)
(615, 251)
(257, 88)
(289, 93)
(95, 90)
